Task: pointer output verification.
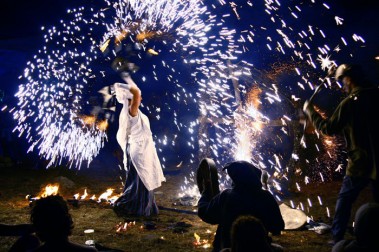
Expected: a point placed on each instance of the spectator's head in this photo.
(366, 226)
(51, 218)
(244, 174)
(249, 234)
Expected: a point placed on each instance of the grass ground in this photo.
(172, 230)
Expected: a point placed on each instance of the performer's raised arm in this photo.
(136, 92)
(128, 94)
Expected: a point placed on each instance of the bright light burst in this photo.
(224, 45)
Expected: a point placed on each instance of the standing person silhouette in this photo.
(143, 168)
(354, 118)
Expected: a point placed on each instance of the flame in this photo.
(120, 227)
(50, 189)
(77, 195)
(106, 196)
(198, 242)
(85, 194)
(197, 238)
(89, 120)
(102, 125)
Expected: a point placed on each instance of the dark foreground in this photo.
(174, 229)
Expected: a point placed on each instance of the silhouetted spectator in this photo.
(53, 224)
(249, 234)
(246, 197)
(365, 229)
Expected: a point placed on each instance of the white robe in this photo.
(136, 132)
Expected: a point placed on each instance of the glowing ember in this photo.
(123, 227)
(201, 243)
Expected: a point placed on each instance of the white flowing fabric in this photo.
(136, 132)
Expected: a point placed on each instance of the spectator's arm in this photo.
(210, 210)
(16, 230)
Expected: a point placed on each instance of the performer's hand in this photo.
(122, 95)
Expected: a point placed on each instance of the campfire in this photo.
(53, 189)
(50, 189)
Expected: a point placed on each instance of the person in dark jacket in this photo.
(354, 118)
(246, 197)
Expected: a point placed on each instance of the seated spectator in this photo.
(365, 229)
(249, 234)
(53, 225)
(246, 197)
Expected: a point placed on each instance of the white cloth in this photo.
(293, 218)
(136, 132)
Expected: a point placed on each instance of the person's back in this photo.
(53, 224)
(245, 198)
(258, 203)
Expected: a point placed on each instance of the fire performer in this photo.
(143, 168)
(246, 197)
(355, 119)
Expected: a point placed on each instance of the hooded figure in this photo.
(246, 197)
(366, 231)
